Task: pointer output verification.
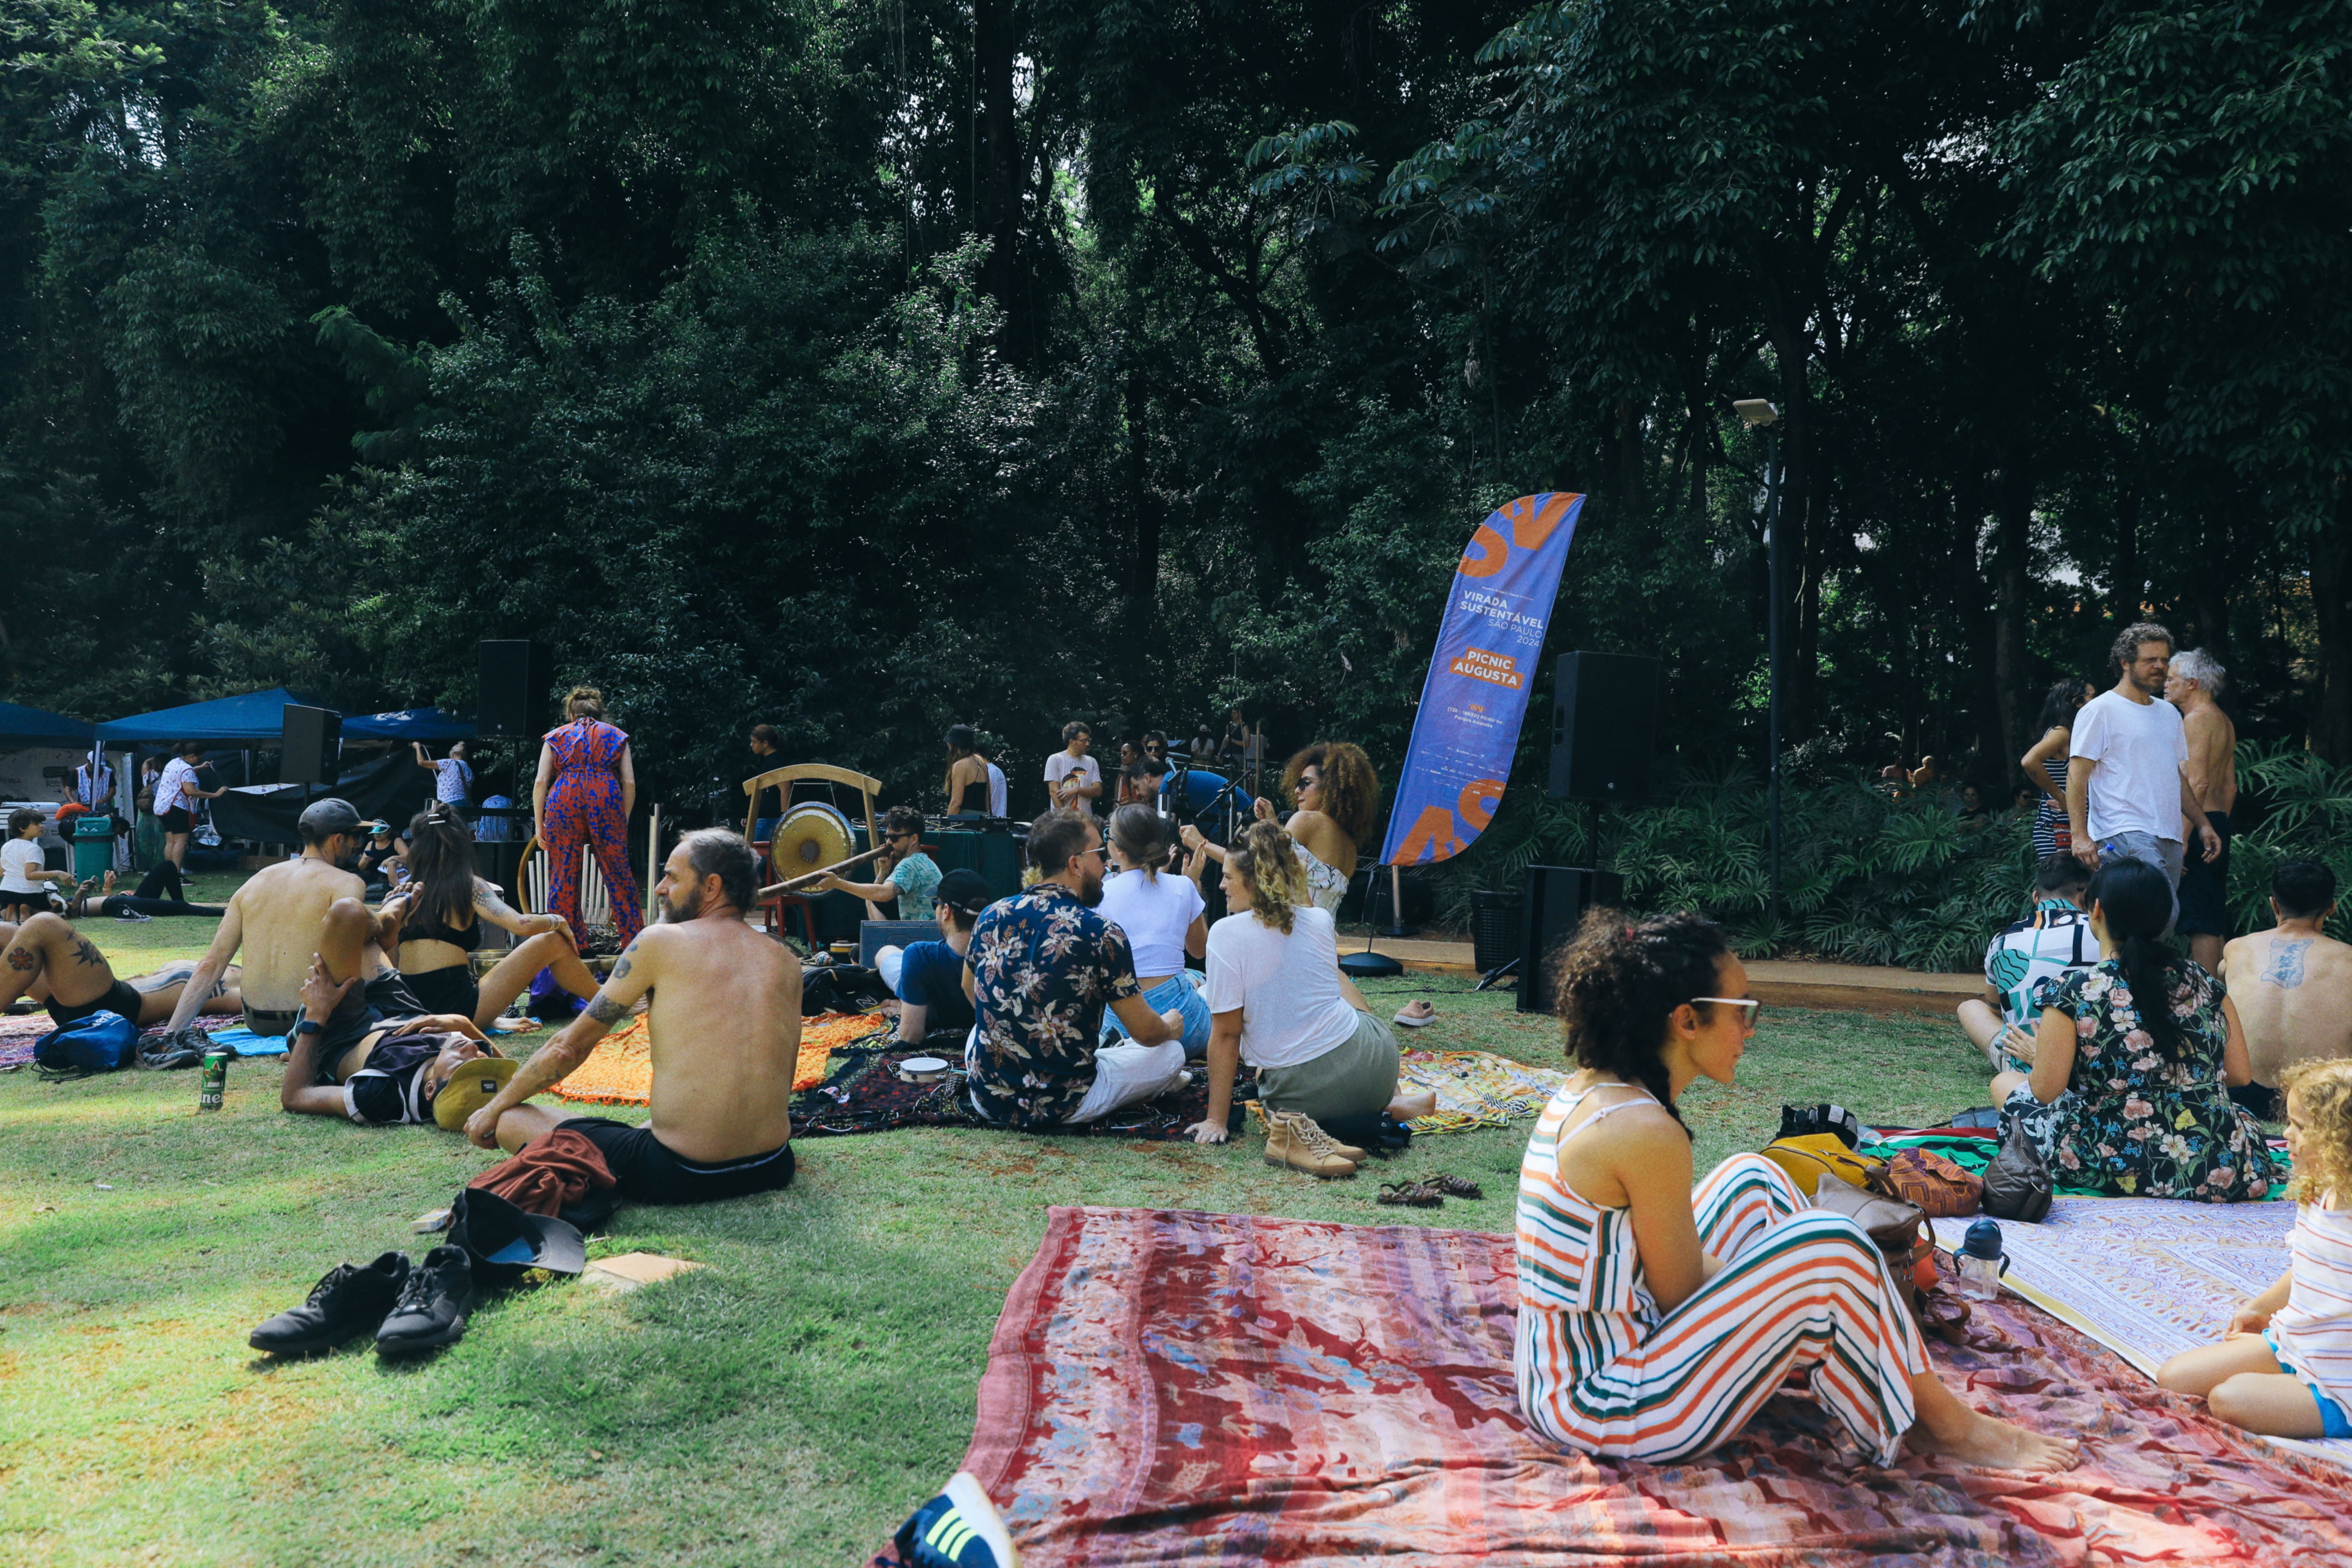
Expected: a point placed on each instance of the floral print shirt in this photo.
(2134, 1122)
(1043, 967)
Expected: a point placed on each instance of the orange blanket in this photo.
(620, 1070)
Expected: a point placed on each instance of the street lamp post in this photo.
(1757, 412)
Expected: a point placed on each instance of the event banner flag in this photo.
(1477, 693)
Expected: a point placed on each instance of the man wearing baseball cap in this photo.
(276, 921)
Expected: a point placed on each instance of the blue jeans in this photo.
(2166, 855)
(1177, 993)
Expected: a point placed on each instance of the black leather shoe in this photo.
(432, 1311)
(349, 1301)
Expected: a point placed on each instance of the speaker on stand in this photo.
(311, 743)
(516, 678)
(1556, 899)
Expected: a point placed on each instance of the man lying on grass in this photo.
(393, 1075)
(725, 1029)
(63, 970)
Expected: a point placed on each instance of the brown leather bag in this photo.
(1936, 1184)
(1897, 1225)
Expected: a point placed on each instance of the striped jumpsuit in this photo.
(583, 806)
(1601, 1370)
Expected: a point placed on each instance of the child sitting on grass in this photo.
(2284, 1366)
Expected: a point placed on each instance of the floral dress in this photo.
(2133, 1123)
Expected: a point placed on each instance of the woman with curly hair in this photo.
(1278, 1002)
(1338, 801)
(2284, 1364)
(1654, 1320)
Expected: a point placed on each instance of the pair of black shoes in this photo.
(408, 1308)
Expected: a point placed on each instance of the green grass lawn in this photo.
(787, 1404)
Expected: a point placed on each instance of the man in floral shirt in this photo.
(1043, 966)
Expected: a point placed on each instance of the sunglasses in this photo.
(1754, 1009)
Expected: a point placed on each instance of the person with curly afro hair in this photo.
(1654, 1320)
(1338, 801)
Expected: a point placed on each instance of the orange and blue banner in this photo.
(1477, 693)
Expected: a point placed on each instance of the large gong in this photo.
(811, 837)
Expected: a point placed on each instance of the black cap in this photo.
(501, 1240)
(963, 889)
(323, 819)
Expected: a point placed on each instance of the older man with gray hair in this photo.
(2194, 681)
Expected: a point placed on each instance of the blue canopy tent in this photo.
(23, 726)
(258, 719)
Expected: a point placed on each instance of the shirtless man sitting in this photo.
(275, 919)
(725, 1026)
(2292, 984)
(63, 970)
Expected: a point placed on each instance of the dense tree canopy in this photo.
(859, 367)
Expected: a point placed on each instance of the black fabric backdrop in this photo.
(394, 787)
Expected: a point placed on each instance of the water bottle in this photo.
(1980, 1261)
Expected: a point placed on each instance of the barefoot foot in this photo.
(1997, 1445)
(1405, 1107)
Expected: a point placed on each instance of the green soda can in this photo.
(214, 1082)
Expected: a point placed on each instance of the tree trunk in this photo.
(2331, 604)
(2012, 585)
(1143, 575)
(1979, 621)
(995, 42)
(1630, 459)
(2209, 584)
(2130, 590)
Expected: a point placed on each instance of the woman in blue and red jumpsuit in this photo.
(586, 788)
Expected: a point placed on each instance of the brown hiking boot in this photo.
(1292, 1139)
(1323, 1142)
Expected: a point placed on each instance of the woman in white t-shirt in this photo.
(1161, 910)
(24, 873)
(1280, 1003)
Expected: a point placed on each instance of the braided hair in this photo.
(1621, 980)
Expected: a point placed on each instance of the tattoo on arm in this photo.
(622, 968)
(606, 1011)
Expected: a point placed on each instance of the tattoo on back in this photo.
(606, 1011)
(2285, 967)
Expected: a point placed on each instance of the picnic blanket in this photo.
(1174, 1387)
(1475, 1089)
(20, 1032)
(2148, 1278)
(620, 1070)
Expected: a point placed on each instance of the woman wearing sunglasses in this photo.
(1654, 1320)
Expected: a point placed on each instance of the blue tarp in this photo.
(23, 726)
(258, 719)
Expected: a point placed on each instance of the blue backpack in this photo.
(103, 1042)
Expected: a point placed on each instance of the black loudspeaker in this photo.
(1557, 898)
(515, 678)
(1604, 721)
(312, 739)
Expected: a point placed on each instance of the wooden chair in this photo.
(537, 872)
(781, 781)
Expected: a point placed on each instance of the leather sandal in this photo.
(1452, 1186)
(1409, 1195)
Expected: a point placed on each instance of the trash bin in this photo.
(93, 847)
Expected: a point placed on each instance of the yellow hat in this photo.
(474, 1085)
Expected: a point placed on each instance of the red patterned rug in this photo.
(1175, 1387)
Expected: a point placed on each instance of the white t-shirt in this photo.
(1155, 912)
(19, 856)
(170, 790)
(2139, 747)
(1061, 765)
(996, 792)
(1287, 987)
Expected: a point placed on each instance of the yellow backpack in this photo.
(1808, 1158)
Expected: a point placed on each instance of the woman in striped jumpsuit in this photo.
(587, 786)
(1654, 1320)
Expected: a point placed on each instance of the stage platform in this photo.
(1853, 986)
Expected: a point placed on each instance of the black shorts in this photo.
(450, 990)
(2205, 885)
(646, 1172)
(385, 999)
(178, 820)
(119, 998)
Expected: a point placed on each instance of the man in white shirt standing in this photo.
(1073, 779)
(2127, 786)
